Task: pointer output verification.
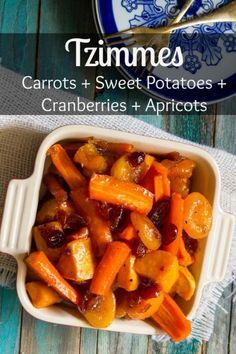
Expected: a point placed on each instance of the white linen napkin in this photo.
(20, 137)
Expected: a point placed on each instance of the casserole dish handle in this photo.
(17, 218)
(225, 224)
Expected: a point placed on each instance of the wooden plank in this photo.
(185, 347)
(220, 338)
(125, 343)
(20, 18)
(64, 17)
(88, 342)
(40, 337)
(197, 127)
(10, 319)
(59, 17)
(223, 338)
(225, 134)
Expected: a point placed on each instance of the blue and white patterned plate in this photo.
(209, 50)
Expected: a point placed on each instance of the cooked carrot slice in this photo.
(158, 188)
(55, 188)
(148, 160)
(111, 190)
(157, 169)
(41, 265)
(99, 228)
(172, 320)
(66, 167)
(128, 233)
(184, 257)
(106, 271)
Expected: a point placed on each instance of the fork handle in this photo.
(225, 14)
(182, 12)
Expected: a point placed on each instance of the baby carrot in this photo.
(55, 188)
(158, 188)
(172, 320)
(40, 264)
(176, 218)
(111, 190)
(66, 167)
(157, 169)
(184, 257)
(98, 227)
(106, 271)
(128, 233)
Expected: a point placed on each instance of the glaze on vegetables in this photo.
(117, 233)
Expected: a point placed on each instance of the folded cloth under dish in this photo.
(20, 137)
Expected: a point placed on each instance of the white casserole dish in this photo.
(22, 202)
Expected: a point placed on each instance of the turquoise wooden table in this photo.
(19, 332)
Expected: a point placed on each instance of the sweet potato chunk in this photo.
(160, 266)
(77, 262)
(47, 212)
(185, 285)
(41, 295)
(127, 277)
(38, 234)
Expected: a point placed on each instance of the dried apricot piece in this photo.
(147, 231)
(197, 215)
(104, 313)
(146, 307)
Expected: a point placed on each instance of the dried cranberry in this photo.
(83, 301)
(148, 292)
(118, 218)
(191, 244)
(54, 238)
(146, 282)
(73, 222)
(159, 212)
(134, 298)
(61, 217)
(138, 248)
(104, 210)
(169, 234)
(136, 158)
(117, 215)
(88, 301)
(173, 156)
